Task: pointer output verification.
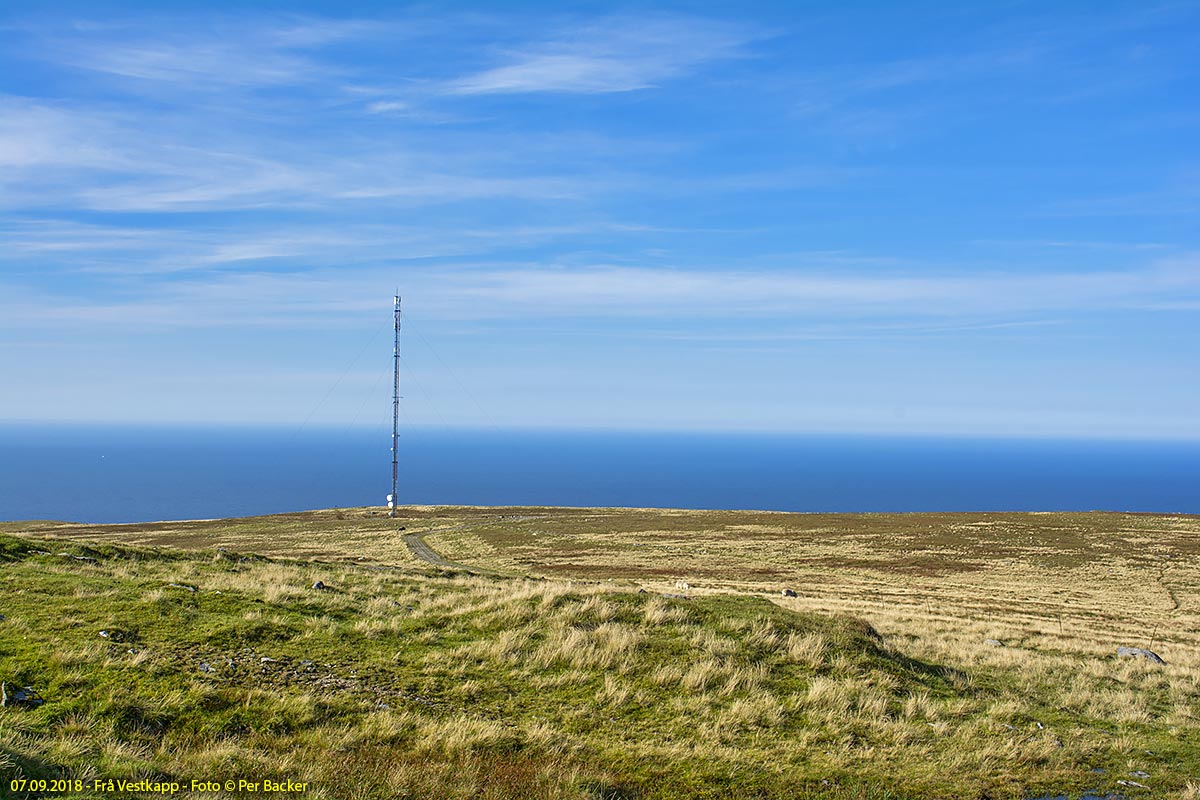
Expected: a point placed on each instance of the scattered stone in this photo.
(86, 559)
(993, 642)
(319, 586)
(1140, 652)
(24, 697)
(676, 596)
(640, 591)
(182, 586)
(114, 635)
(789, 593)
(206, 667)
(1137, 773)
(1133, 784)
(682, 585)
(268, 660)
(2, 618)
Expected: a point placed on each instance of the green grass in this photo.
(413, 682)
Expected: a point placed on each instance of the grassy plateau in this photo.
(603, 653)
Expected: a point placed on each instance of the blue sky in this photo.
(952, 218)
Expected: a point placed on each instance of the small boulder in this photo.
(1140, 652)
(182, 586)
(24, 697)
(789, 593)
(1133, 784)
(206, 667)
(682, 585)
(676, 596)
(993, 643)
(319, 586)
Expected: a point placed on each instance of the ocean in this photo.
(126, 473)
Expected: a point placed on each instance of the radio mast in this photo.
(392, 498)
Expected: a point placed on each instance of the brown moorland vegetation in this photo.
(549, 673)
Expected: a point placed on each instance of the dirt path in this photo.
(420, 548)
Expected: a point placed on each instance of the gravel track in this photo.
(421, 549)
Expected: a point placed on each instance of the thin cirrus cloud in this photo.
(618, 55)
(470, 292)
(725, 293)
(116, 157)
(73, 158)
(247, 55)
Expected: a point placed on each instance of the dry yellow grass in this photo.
(1059, 591)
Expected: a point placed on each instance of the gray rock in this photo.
(24, 697)
(268, 660)
(789, 593)
(206, 667)
(1140, 652)
(1137, 773)
(182, 586)
(318, 586)
(1134, 784)
(676, 596)
(993, 642)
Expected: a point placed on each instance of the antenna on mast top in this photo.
(392, 498)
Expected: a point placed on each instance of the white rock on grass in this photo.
(1140, 652)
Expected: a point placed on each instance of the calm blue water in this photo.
(128, 474)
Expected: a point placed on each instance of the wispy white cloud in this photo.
(37, 136)
(388, 106)
(653, 296)
(616, 55)
(667, 292)
(70, 157)
(195, 55)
